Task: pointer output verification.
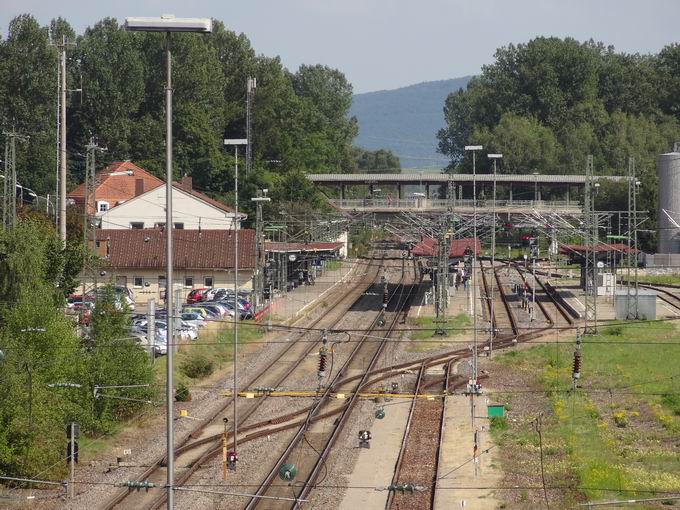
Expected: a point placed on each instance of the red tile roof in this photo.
(204, 198)
(118, 187)
(427, 246)
(299, 247)
(207, 249)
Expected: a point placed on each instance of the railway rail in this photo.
(309, 465)
(195, 447)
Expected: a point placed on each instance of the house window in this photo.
(137, 224)
(161, 282)
(189, 281)
(102, 206)
(179, 226)
(138, 282)
(208, 281)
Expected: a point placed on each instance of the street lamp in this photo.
(237, 226)
(494, 157)
(168, 24)
(474, 149)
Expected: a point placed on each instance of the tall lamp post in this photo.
(473, 283)
(492, 332)
(168, 24)
(235, 142)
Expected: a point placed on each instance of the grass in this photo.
(214, 345)
(332, 265)
(624, 440)
(427, 340)
(660, 279)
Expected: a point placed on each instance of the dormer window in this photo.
(102, 206)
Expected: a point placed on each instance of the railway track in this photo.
(201, 443)
(311, 445)
(420, 454)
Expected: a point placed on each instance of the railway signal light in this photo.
(364, 438)
(232, 459)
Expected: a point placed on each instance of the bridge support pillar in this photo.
(399, 195)
(568, 192)
(342, 191)
(510, 192)
(427, 191)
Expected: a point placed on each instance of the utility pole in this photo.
(251, 86)
(9, 206)
(590, 263)
(90, 220)
(441, 295)
(62, 141)
(472, 388)
(492, 328)
(259, 245)
(633, 183)
(151, 328)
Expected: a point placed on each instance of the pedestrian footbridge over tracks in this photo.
(438, 192)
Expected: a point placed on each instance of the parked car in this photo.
(194, 318)
(196, 309)
(196, 295)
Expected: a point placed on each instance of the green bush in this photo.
(499, 423)
(182, 393)
(197, 366)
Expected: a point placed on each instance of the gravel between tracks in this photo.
(146, 438)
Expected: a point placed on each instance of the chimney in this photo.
(187, 182)
(139, 187)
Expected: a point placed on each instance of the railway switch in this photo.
(364, 438)
(287, 472)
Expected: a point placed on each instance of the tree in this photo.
(381, 160)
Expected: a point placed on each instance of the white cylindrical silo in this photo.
(668, 173)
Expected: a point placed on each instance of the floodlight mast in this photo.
(168, 24)
(492, 332)
(473, 280)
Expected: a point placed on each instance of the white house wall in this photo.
(150, 209)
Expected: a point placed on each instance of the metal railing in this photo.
(429, 203)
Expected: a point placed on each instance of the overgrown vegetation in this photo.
(617, 434)
(47, 375)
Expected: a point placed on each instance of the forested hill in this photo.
(405, 120)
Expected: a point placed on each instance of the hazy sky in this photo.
(383, 44)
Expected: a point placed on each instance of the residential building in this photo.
(114, 185)
(129, 197)
(191, 210)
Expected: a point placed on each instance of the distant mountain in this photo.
(405, 120)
